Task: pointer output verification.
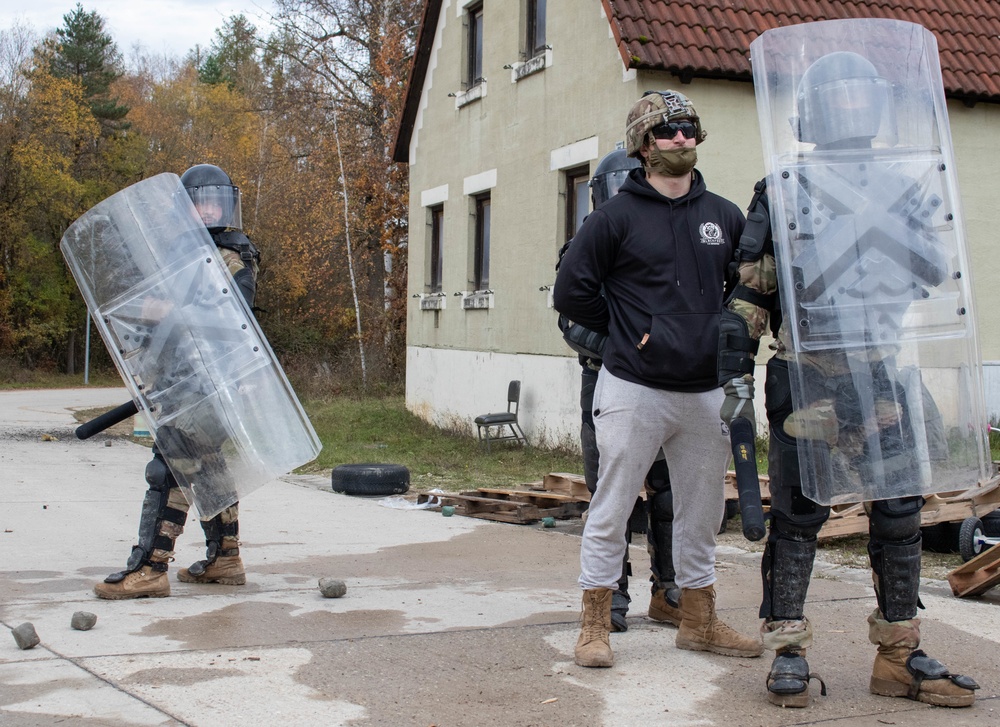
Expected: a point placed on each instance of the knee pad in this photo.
(588, 382)
(777, 393)
(659, 535)
(591, 456)
(896, 520)
(789, 506)
(661, 499)
(158, 475)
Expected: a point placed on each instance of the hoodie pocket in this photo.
(680, 348)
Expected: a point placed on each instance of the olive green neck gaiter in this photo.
(672, 162)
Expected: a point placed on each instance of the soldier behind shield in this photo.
(191, 442)
(866, 435)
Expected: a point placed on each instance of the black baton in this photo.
(741, 437)
(107, 419)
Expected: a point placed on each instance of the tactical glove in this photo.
(739, 401)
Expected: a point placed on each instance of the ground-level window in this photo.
(577, 199)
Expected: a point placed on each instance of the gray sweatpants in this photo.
(632, 423)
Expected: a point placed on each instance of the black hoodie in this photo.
(644, 266)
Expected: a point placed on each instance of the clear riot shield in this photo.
(190, 351)
(872, 261)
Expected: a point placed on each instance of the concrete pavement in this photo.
(446, 621)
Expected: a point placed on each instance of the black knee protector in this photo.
(896, 520)
(591, 456)
(588, 382)
(158, 475)
(660, 532)
(894, 548)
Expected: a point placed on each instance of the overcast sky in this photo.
(160, 26)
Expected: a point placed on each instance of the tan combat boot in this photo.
(143, 583)
(226, 569)
(593, 648)
(661, 609)
(902, 670)
(701, 630)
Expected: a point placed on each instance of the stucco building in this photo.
(512, 103)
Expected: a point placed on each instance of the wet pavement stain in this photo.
(262, 623)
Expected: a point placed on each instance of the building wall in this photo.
(516, 142)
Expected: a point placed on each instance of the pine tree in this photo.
(85, 51)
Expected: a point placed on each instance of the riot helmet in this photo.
(215, 197)
(652, 110)
(843, 102)
(610, 174)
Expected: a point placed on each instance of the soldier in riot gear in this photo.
(164, 510)
(647, 269)
(864, 432)
(655, 517)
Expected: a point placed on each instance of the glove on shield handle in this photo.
(108, 419)
(741, 437)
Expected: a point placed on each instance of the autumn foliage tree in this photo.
(302, 121)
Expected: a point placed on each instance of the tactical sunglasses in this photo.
(669, 130)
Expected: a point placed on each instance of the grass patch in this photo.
(359, 430)
(15, 377)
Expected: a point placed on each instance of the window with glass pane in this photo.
(437, 225)
(475, 60)
(535, 44)
(577, 199)
(482, 254)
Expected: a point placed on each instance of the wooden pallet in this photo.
(510, 506)
(978, 575)
(851, 518)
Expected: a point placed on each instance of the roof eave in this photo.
(415, 83)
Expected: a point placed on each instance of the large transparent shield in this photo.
(190, 351)
(872, 260)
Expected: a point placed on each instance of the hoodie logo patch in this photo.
(711, 234)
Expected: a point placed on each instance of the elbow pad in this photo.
(247, 285)
(736, 348)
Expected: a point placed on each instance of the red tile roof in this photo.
(711, 39)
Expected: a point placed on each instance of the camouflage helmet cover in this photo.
(653, 109)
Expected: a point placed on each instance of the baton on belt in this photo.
(108, 419)
(741, 437)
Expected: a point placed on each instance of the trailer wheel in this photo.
(970, 543)
(370, 480)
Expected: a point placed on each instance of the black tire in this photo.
(939, 538)
(370, 480)
(991, 524)
(972, 528)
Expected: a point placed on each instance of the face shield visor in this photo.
(847, 109)
(605, 186)
(218, 205)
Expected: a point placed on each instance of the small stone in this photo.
(332, 588)
(25, 636)
(448, 510)
(83, 620)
